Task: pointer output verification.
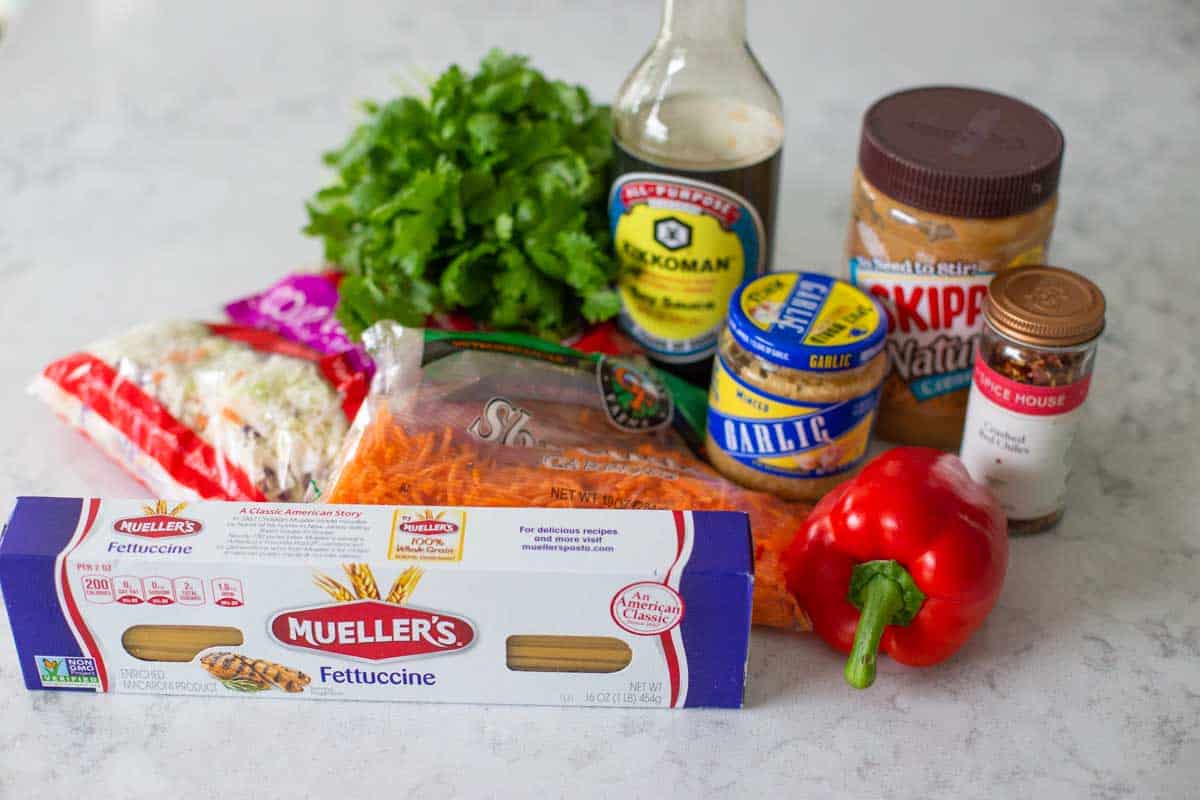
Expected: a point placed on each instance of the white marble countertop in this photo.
(153, 162)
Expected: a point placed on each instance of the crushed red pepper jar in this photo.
(1031, 377)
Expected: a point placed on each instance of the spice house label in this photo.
(1022, 398)
(1017, 439)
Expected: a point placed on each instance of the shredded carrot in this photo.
(592, 466)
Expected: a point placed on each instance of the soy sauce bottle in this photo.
(698, 131)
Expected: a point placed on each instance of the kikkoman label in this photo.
(683, 246)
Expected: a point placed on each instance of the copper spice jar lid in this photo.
(961, 152)
(1045, 306)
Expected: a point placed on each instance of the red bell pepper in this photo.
(907, 557)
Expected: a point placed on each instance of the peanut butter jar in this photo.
(953, 186)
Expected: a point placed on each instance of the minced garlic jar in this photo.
(795, 384)
(953, 186)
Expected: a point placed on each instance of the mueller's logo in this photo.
(428, 524)
(372, 630)
(159, 522)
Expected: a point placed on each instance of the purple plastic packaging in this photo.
(301, 308)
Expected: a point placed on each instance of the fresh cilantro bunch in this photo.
(488, 197)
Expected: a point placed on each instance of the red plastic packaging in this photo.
(196, 410)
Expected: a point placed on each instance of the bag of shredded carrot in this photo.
(491, 419)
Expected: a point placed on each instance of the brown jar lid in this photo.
(1045, 306)
(961, 152)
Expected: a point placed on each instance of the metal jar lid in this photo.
(807, 321)
(1045, 306)
(961, 152)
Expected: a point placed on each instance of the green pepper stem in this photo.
(882, 597)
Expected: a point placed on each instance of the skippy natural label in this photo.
(936, 316)
(683, 247)
(1017, 439)
(813, 325)
(496, 605)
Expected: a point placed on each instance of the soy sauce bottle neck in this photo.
(704, 21)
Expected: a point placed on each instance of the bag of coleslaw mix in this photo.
(197, 410)
(487, 419)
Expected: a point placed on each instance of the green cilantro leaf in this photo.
(486, 197)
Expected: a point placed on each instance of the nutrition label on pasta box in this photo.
(129, 590)
(155, 590)
(227, 592)
(99, 588)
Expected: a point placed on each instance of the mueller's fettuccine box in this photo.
(576, 607)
